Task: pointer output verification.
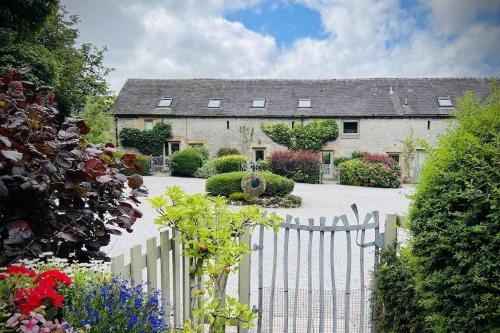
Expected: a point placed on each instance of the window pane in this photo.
(165, 102)
(394, 156)
(148, 124)
(259, 103)
(304, 103)
(350, 127)
(214, 103)
(444, 102)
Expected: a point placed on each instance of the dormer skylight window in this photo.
(304, 103)
(214, 103)
(165, 102)
(445, 102)
(259, 103)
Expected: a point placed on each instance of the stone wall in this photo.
(375, 134)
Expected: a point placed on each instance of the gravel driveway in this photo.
(327, 200)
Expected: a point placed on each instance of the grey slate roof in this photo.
(330, 98)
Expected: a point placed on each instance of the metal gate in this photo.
(331, 297)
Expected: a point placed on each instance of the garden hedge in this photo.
(300, 166)
(455, 222)
(229, 163)
(185, 162)
(227, 183)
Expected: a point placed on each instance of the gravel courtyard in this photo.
(318, 200)
(326, 200)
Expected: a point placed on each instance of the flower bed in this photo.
(55, 296)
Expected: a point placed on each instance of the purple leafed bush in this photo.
(58, 193)
(378, 158)
(300, 166)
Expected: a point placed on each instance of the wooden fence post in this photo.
(390, 231)
(244, 280)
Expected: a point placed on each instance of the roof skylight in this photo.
(259, 103)
(214, 103)
(304, 103)
(165, 102)
(445, 102)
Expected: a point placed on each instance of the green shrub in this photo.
(229, 163)
(202, 151)
(227, 183)
(291, 200)
(340, 159)
(300, 166)
(358, 154)
(348, 172)
(264, 165)
(360, 172)
(207, 170)
(185, 162)
(400, 310)
(455, 222)
(239, 196)
(227, 151)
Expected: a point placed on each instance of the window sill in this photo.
(349, 136)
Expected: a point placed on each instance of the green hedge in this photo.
(229, 163)
(360, 172)
(455, 222)
(185, 162)
(227, 183)
(398, 301)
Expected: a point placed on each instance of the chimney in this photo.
(390, 91)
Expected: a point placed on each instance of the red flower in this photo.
(21, 270)
(3, 276)
(51, 277)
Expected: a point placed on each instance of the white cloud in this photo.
(185, 39)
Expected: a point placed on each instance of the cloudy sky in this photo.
(292, 39)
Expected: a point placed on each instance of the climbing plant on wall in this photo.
(148, 142)
(311, 137)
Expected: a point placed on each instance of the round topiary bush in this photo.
(185, 162)
(225, 184)
(229, 163)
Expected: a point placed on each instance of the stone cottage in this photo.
(373, 115)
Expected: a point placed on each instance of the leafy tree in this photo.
(57, 192)
(41, 34)
(310, 137)
(455, 222)
(212, 234)
(101, 123)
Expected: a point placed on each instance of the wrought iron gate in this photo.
(342, 307)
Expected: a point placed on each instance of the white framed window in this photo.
(350, 127)
(148, 124)
(259, 103)
(214, 103)
(445, 102)
(304, 103)
(165, 102)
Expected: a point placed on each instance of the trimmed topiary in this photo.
(227, 183)
(229, 163)
(185, 162)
